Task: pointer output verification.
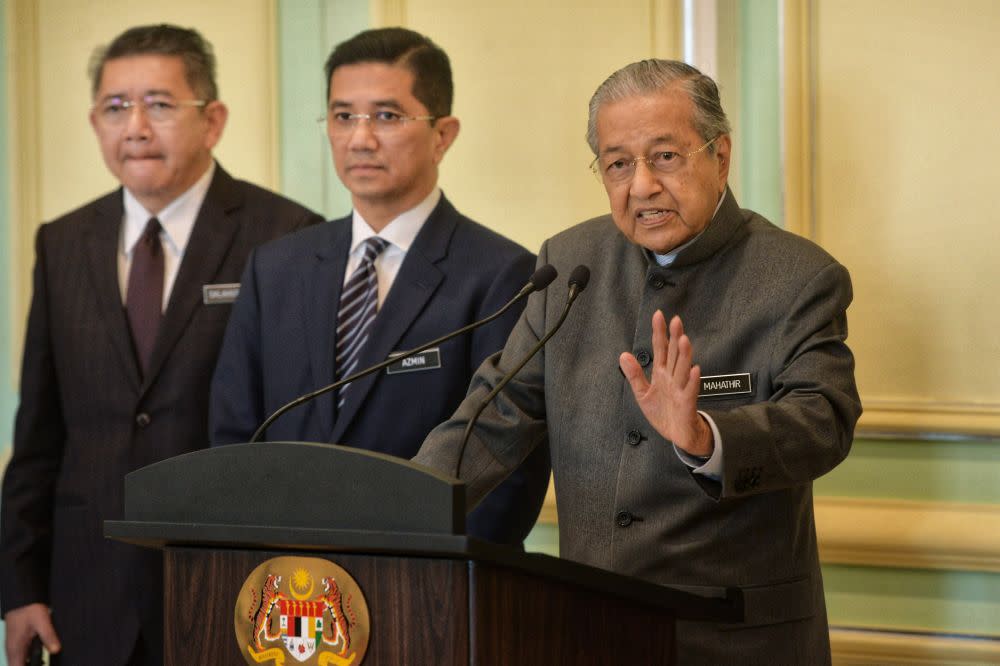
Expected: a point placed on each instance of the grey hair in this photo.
(166, 40)
(650, 76)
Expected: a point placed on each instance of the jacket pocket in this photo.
(795, 599)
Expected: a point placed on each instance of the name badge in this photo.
(736, 384)
(429, 359)
(220, 294)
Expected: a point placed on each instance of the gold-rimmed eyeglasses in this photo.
(159, 109)
(613, 169)
(342, 122)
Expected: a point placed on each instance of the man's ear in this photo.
(216, 115)
(446, 131)
(724, 153)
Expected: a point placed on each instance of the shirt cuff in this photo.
(712, 465)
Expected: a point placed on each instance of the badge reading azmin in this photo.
(429, 359)
(220, 294)
(305, 608)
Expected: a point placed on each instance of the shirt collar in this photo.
(177, 219)
(402, 230)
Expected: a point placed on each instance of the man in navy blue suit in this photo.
(301, 321)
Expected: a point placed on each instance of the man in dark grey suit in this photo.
(389, 124)
(669, 471)
(131, 297)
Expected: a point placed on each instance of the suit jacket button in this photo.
(624, 519)
(142, 419)
(644, 358)
(634, 437)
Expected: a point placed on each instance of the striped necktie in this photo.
(358, 305)
(144, 294)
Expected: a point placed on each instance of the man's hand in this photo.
(23, 624)
(669, 399)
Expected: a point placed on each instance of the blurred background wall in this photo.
(861, 124)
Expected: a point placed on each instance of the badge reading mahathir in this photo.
(735, 384)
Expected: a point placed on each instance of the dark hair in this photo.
(430, 66)
(169, 40)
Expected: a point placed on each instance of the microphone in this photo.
(539, 280)
(578, 280)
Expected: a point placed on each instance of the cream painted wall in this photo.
(524, 73)
(905, 196)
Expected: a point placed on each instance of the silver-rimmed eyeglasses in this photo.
(613, 169)
(158, 108)
(342, 122)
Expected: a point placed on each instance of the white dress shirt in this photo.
(400, 233)
(177, 221)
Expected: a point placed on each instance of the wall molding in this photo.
(911, 534)
(797, 116)
(25, 199)
(915, 416)
(894, 533)
(906, 411)
(548, 515)
(852, 647)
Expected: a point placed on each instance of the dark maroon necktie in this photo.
(144, 298)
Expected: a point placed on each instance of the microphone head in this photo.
(579, 278)
(543, 277)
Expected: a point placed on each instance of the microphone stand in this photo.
(577, 283)
(539, 280)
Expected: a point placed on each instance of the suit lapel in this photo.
(321, 286)
(101, 238)
(212, 236)
(417, 280)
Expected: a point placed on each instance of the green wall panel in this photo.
(759, 146)
(307, 32)
(960, 470)
(943, 602)
(946, 602)
(543, 539)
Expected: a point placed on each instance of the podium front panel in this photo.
(417, 606)
(421, 610)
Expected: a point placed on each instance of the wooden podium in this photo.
(433, 595)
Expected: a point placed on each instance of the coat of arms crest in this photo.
(305, 608)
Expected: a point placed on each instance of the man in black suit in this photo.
(131, 297)
(389, 124)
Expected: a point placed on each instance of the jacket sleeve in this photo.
(511, 428)
(39, 440)
(509, 512)
(236, 405)
(805, 427)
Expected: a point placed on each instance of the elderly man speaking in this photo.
(701, 385)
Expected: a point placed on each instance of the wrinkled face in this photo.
(156, 158)
(657, 210)
(392, 168)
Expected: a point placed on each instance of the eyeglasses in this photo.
(342, 122)
(622, 170)
(158, 109)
